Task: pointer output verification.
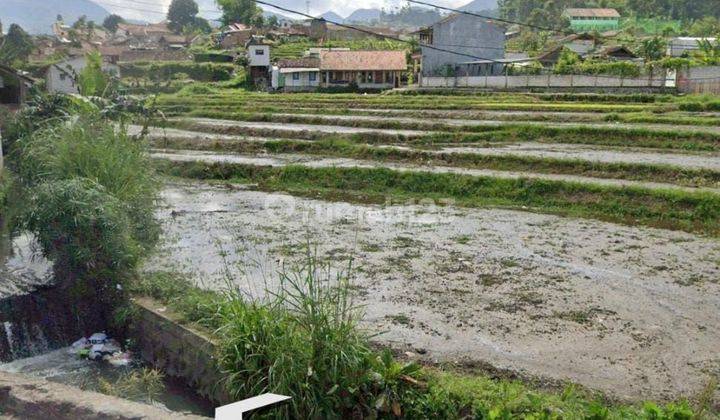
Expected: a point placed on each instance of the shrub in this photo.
(92, 194)
(203, 72)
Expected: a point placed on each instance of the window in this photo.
(259, 52)
(63, 76)
(296, 76)
(313, 77)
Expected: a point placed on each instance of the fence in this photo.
(699, 80)
(655, 81)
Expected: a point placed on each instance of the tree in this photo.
(92, 81)
(242, 11)
(16, 45)
(272, 22)
(652, 49)
(182, 14)
(111, 22)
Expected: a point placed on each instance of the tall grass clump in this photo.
(91, 194)
(302, 341)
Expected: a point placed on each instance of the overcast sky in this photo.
(342, 7)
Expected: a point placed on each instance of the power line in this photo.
(465, 12)
(394, 38)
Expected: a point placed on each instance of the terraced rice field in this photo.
(568, 238)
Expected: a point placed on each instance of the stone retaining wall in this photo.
(178, 350)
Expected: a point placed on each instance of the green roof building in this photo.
(593, 19)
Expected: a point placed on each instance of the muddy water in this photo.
(62, 367)
(320, 162)
(630, 311)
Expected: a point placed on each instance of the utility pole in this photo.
(307, 7)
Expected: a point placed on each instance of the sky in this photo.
(143, 9)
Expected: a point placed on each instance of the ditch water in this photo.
(35, 327)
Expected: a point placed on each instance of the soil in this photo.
(630, 311)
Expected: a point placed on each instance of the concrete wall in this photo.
(699, 80)
(256, 59)
(303, 80)
(60, 77)
(543, 81)
(178, 350)
(456, 34)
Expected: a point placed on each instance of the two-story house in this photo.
(258, 54)
(463, 46)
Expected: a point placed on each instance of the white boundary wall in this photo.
(543, 81)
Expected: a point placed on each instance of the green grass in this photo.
(604, 136)
(304, 341)
(333, 147)
(680, 210)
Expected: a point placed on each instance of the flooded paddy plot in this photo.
(627, 310)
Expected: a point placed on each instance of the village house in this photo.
(374, 70)
(14, 87)
(296, 75)
(235, 35)
(682, 46)
(465, 46)
(367, 69)
(593, 19)
(62, 77)
(258, 55)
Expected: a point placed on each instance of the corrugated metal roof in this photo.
(587, 13)
(362, 60)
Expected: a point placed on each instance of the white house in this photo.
(258, 54)
(296, 75)
(61, 77)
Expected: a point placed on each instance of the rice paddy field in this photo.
(561, 237)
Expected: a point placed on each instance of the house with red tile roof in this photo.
(376, 70)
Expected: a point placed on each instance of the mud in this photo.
(629, 311)
(320, 162)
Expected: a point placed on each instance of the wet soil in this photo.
(629, 311)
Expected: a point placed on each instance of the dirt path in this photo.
(630, 311)
(320, 162)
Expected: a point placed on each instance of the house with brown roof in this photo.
(374, 70)
(589, 19)
(367, 69)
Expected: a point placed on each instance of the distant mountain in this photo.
(280, 16)
(37, 16)
(480, 5)
(332, 16)
(364, 15)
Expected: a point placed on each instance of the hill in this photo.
(333, 17)
(37, 16)
(479, 5)
(364, 15)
